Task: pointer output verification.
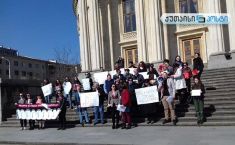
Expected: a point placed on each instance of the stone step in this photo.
(220, 86)
(217, 75)
(211, 94)
(221, 90)
(217, 79)
(209, 83)
(220, 69)
(158, 123)
(219, 98)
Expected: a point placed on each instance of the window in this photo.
(16, 72)
(30, 65)
(129, 18)
(0, 71)
(16, 63)
(7, 72)
(23, 73)
(188, 6)
(0, 61)
(30, 74)
(37, 65)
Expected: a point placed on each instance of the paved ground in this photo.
(105, 135)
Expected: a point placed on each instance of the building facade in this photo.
(132, 29)
(26, 68)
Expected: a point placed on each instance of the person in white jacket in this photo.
(180, 84)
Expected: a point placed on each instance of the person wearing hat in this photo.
(167, 89)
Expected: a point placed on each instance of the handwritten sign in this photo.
(89, 99)
(196, 92)
(47, 89)
(86, 84)
(147, 95)
(100, 77)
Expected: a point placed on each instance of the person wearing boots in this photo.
(62, 118)
(198, 100)
(113, 101)
(167, 89)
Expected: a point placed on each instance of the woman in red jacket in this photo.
(126, 102)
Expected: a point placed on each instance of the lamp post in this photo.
(9, 66)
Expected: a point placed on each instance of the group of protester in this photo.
(173, 82)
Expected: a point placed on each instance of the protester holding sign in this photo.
(167, 88)
(142, 67)
(23, 122)
(99, 110)
(138, 78)
(47, 97)
(82, 112)
(126, 102)
(88, 76)
(67, 86)
(198, 99)
(29, 101)
(41, 123)
(62, 119)
(113, 101)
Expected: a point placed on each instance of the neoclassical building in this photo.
(132, 29)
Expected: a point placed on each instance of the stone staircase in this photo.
(219, 105)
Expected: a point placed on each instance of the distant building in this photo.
(26, 68)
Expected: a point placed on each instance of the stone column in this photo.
(216, 40)
(94, 34)
(156, 49)
(231, 12)
(83, 31)
(110, 34)
(166, 48)
(141, 33)
(0, 101)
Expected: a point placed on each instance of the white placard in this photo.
(86, 84)
(196, 93)
(100, 77)
(89, 99)
(145, 75)
(121, 108)
(34, 115)
(29, 114)
(147, 95)
(67, 87)
(112, 73)
(47, 89)
(37, 114)
(132, 70)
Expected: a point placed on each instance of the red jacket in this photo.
(126, 98)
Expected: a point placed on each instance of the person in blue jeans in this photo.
(82, 112)
(99, 110)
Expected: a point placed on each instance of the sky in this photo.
(36, 28)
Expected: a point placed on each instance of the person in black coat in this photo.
(62, 118)
(198, 64)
